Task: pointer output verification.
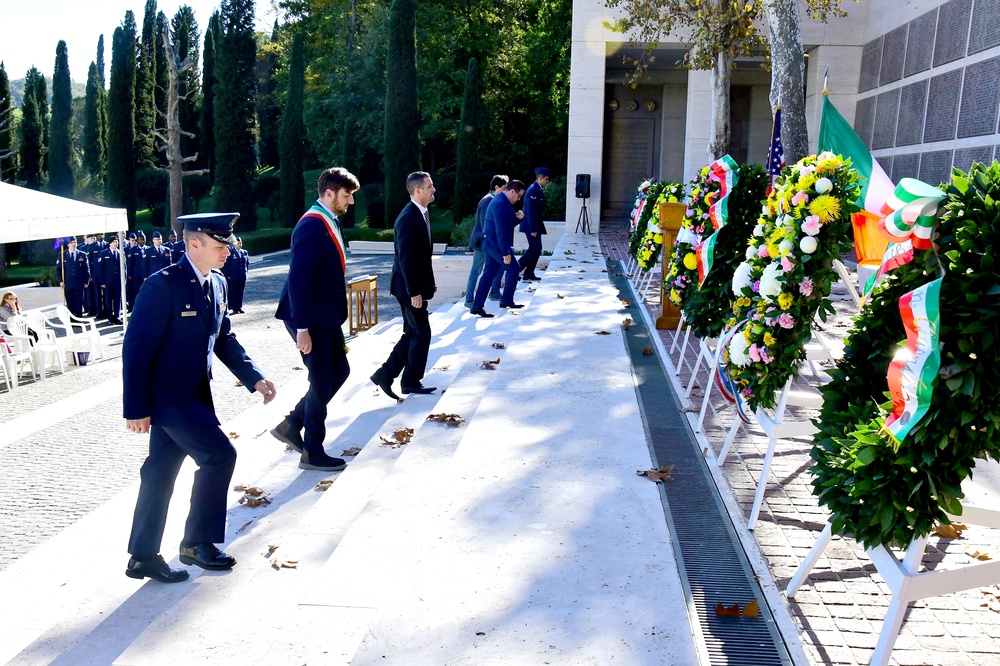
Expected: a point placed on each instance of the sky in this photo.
(31, 29)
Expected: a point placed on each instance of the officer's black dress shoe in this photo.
(419, 388)
(321, 462)
(531, 278)
(384, 383)
(206, 556)
(287, 433)
(512, 306)
(156, 569)
(479, 312)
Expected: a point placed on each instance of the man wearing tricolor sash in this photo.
(313, 305)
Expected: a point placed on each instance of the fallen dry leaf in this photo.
(560, 296)
(398, 438)
(983, 557)
(271, 549)
(289, 447)
(234, 435)
(353, 451)
(626, 304)
(582, 270)
(727, 611)
(454, 420)
(480, 633)
(498, 345)
(239, 383)
(657, 475)
(690, 408)
(584, 261)
(602, 332)
(568, 252)
(245, 525)
(620, 275)
(278, 565)
(253, 496)
(296, 367)
(442, 368)
(704, 452)
(752, 609)
(605, 270)
(647, 351)
(627, 324)
(254, 502)
(953, 531)
(323, 485)
(489, 365)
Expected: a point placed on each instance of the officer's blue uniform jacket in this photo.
(77, 269)
(534, 204)
(167, 354)
(155, 259)
(499, 225)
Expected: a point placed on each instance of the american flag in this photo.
(776, 154)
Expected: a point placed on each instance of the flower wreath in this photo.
(637, 231)
(652, 242)
(881, 494)
(683, 267)
(707, 308)
(641, 194)
(784, 281)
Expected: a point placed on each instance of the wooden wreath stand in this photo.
(671, 216)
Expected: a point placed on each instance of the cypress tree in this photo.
(100, 62)
(402, 116)
(234, 113)
(185, 43)
(121, 187)
(8, 150)
(102, 110)
(207, 123)
(160, 83)
(93, 142)
(145, 78)
(35, 82)
(291, 148)
(61, 149)
(467, 155)
(31, 134)
(267, 101)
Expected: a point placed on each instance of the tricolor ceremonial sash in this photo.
(332, 228)
(896, 255)
(913, 369)
(725, 172)
(705, 254)
(911, 213)
(635, 218)
(725, 383)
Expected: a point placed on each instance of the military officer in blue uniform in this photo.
(236, 269)
(109, 277)
(156, 257)
(179, 322)
(175, 246)
(91, 295)
(532, 226)
(133, 266)
(498, 244)
(73, 273)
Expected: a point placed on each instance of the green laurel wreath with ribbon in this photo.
(887, 496)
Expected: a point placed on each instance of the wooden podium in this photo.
(363, 308)
(671, 216)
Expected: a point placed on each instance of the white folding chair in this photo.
(15, 356)
(40, 349)
(82, 331)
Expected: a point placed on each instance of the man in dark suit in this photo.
(497, 185)
(109, 277)
(179, 321)
(499, 247)
(155, 258)
(412, 283)
(532, 226)
(73, 272)
(313, 305)
(236, 269)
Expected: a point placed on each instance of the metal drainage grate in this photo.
(714, 567)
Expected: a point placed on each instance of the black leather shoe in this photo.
(288, 434)
(384, 383)
(512, 306)
(531, 278)
(156, 569)
(206, 556)
(479, 312)
(419, 388)
(321, 462)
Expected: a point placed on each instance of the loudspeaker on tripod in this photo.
(583, 186)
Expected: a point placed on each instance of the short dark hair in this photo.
(516, 185)
(498, 181)
(415, 180)
(336, 179)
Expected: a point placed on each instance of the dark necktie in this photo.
(208, 294)
(427, 221)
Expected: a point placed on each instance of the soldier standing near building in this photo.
(532, 225)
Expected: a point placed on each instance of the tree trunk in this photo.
(718, 143)
(787, 71)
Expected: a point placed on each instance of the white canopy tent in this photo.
(28, 215)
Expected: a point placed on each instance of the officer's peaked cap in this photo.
(217, 225)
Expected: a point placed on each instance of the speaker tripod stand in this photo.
(584, 220)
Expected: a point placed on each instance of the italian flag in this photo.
(837, 136)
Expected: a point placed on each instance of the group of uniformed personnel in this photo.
(91, 273)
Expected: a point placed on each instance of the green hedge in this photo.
(266, 240)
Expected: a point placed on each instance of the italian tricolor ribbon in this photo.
(725, 172)
(705, 254)
(912, 213)
(896, 255)
(725, 383)
(332, 228)
(913, 369)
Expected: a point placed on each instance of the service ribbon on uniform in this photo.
(912, 213)
(914, 367)
(725, 172)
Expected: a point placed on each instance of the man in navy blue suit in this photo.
(497, 185)
(313, 305)
(179, 321)
(532, 226)
(73, 272)
(412, 283)
(499, 247)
